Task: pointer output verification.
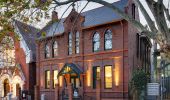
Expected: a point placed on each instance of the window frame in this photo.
(70, 41)
(93, 42)
(108, 39)
(105, 77)
(95, 79)
(133, 10)
(46, 79)
(53, 82)
(46, 52)
(54, 47)
(77, 42)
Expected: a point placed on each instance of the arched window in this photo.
(70, 43)
(96, 42)
(77, 42)
(55, 49)
(108, 40)
(47, 51)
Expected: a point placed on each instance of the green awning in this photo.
(70, 68)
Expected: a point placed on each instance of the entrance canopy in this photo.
(70, 68)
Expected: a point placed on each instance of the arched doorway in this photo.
(6, 87)
(18, 89)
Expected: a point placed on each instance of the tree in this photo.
(158, 29)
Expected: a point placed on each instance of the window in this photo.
(47, 51)
(137, 44)
(108, 40)
(96, 75)
(47, 79)
(133, 11)
(77, 42)
(108, 76)
(55, 49)
(96, 42)
(55, 79)
(70, 43)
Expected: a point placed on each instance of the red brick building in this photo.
(17, 61)
(91, 56)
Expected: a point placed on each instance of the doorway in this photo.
(75, 81)
(6, 87)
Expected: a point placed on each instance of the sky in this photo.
(91, 5)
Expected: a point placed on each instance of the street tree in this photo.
(33, 10)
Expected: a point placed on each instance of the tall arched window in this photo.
(77, 42)
(55, 49)
(96, 42)
(108, 40)
(70, 43)
(47, 51)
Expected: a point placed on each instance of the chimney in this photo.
(54, 16)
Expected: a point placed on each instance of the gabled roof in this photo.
(51, 29)
(103, 14)
(73, 69)
(93, 17)
(29, 35)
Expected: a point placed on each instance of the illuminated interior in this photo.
(47, 79)
(98, 73)
(55, 73)
(108, 76)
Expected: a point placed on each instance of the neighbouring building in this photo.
(17, 61)
(90, 55)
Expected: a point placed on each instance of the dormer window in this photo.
(133, 10)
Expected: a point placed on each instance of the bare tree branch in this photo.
(147, 17)
(157, 10)
(166, 12)
(65, 2)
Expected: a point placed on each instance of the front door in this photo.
(75, 81)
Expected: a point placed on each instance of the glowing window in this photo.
(55, 79)
(47, 79)
(108, 76)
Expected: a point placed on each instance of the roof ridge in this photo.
(26, 24)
